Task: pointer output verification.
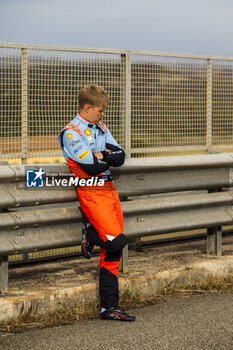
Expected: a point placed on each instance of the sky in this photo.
(183, 26)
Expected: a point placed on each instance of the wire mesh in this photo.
(10, 103)
(222, 111)
(168, 112)
(55, 79)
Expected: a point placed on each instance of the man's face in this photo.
(95, 114)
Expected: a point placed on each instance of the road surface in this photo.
(195, 323)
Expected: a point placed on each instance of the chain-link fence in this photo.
(161, 104)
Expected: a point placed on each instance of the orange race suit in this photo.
(79, 140)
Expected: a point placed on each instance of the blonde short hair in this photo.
(94, 95)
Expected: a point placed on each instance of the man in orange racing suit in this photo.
(89, 149)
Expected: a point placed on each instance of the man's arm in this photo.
(113, 155)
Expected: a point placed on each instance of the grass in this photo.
(211, 285)
(79, 311)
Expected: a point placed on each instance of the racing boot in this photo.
(116, 314)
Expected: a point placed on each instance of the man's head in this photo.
(92, 101)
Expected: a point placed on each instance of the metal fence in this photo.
(161, 103)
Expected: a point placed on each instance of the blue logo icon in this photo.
(35, 178)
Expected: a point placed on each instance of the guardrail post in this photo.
(24, 108)
(214, 241)
(126, 75)
(214, 236)
(209, 105)
(124, 260)
(4, 274)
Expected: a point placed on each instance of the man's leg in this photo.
(110, 255)
(108, 287)
(111, 243)
(108, 279)
(106, 231)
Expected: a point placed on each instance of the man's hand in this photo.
(98, 155)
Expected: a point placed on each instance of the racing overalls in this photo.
(100, 204)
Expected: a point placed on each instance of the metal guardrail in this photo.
(29, 224)
(27, 231)
(136, 177)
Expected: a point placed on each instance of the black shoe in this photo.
(86, 245)
(116, 314)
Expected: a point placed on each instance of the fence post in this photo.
(24, 108)
(209, 105)
(126, 74)
(4, 274)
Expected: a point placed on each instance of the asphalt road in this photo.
(195, 323)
